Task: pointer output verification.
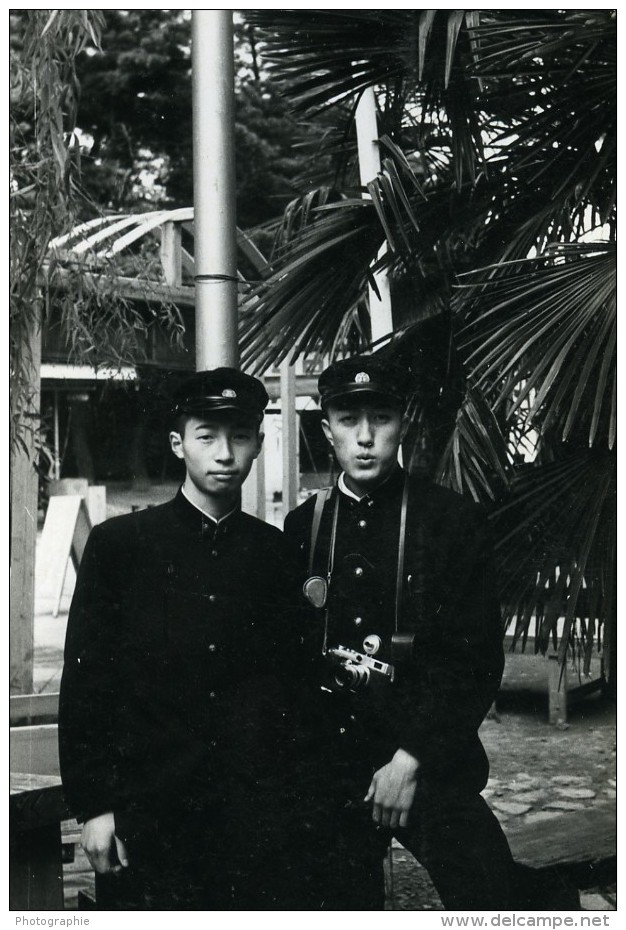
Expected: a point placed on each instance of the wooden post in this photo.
(369, 167)
(289, 416)
(24, 500)
(171, 253)
(557, 689)
(57, 444)
(253, 491)
(96, 500)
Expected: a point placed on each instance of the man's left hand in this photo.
(392, 790)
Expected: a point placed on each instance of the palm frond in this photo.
(322, 58)
(550, 81)
(317, 279)
(548, 326)
(475, 460)
(556, 542)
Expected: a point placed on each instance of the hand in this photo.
(99, 842)
(392, 790)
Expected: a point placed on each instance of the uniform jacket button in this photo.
(212, 647)
(212, 598)
(358, 572)
(214, 553)
(212, 695)
(358, 621)
(362, 524)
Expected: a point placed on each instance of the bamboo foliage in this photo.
(101, 328)
(43, 163)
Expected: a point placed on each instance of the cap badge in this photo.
(362, 377)
(228, 392)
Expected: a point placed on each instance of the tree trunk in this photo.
(24, 501)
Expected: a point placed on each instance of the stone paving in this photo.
(535, 799)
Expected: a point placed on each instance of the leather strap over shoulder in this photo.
(320, 499)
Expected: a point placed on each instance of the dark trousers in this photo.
(452, 832)
(457, 840)
(338, 851)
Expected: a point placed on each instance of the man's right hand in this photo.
(101, 844)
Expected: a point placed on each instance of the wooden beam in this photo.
(33, 708)
(137, 289)
(306, 386)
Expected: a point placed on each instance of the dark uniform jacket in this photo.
(178, 635)
(440, 695)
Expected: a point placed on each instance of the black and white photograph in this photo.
(313, 466)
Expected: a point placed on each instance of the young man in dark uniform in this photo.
(172, 710)
(410, 661)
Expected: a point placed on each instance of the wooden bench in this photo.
(574, 839)
(572, 851)
(43, 836)
(555, 859)
(561, 692)
(36, 809)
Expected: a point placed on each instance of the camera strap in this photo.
(401, 548)
(320, 502)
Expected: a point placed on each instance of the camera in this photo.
(353, 671)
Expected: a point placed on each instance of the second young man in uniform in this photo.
(410, 660)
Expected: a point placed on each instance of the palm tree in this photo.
(496, 201)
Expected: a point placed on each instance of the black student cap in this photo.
(364, 374)
(221, 389)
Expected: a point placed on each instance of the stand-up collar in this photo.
(204, 513)
(197, 519)
(387, 489)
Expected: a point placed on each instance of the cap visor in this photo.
(210, 405)
(369, 387)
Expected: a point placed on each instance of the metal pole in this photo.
(369, 166)
(214, 189)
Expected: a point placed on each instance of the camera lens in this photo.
(350, 676)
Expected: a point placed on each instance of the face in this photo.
(366, 435)
(218, 450)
